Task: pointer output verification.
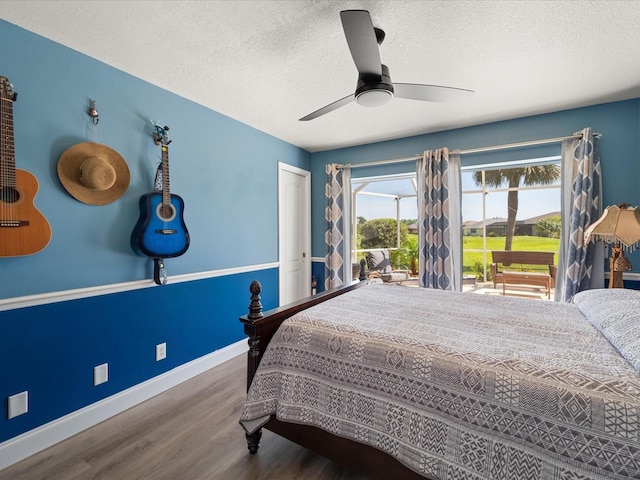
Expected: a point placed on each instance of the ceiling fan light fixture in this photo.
(374, 98)
(374, 87)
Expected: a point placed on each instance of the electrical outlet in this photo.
(100, 374)
(161, 351)
(18, 404)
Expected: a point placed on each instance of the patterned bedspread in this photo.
(457, 386)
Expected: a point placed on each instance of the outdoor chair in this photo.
(379, 265)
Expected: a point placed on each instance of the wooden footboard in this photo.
(260, 327)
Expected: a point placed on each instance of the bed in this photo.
(400, 382)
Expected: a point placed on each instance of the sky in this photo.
(532, 203)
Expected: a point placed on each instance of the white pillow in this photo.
(615, 312)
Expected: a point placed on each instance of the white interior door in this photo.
(294, 228)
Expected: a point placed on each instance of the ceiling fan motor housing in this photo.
(374, 90)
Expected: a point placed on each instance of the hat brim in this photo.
(69, 168)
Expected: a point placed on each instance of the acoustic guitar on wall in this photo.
(23, 229)
(160, 231)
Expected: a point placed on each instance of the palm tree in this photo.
(535, 175)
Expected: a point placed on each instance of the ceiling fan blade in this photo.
(429, 93)
(361, 38)
(328, 108)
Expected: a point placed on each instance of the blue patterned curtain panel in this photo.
(582, 205)
(439, 220)
(337, 214)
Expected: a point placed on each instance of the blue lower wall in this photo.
(630, 284)
(50, 350)
(317, 271)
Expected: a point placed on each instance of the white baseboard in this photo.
(33, 441)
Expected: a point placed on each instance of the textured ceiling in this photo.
(268, 63)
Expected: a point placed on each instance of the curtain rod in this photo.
(469, 151)
(521, 144)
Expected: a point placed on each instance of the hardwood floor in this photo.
(190, 432)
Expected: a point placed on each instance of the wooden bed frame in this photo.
(260, 327)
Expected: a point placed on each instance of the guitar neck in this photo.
(7, 148)
(166, 194)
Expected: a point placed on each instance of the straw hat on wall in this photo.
(93, 173)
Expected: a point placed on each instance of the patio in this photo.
(522, 291)
(486, 288)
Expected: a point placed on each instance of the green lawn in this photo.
(533, 244)
(472, 249)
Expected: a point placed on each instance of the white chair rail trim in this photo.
(65, 295)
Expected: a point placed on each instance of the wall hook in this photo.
(93, 113)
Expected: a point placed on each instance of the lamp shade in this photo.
(618, 223)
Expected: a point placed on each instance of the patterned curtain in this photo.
(338, 214)
(581, 205)
(439, 220)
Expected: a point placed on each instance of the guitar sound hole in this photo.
(166, 213)
(9, 195)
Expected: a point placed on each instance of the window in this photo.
(385, 215)
(509, 206)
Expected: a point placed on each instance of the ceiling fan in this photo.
(374, 87)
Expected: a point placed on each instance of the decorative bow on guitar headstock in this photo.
(161, 135)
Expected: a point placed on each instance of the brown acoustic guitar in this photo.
(23, 229)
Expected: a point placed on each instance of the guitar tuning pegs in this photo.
(12, 91)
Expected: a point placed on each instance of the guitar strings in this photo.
(3, 152)
(4, 155)
(8, 160)
(10, 192)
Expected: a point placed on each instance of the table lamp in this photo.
(619, 225)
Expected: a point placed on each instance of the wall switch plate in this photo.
(100, 374)
(18, 404)
(161, 351)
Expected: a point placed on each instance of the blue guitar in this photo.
(160, 231)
